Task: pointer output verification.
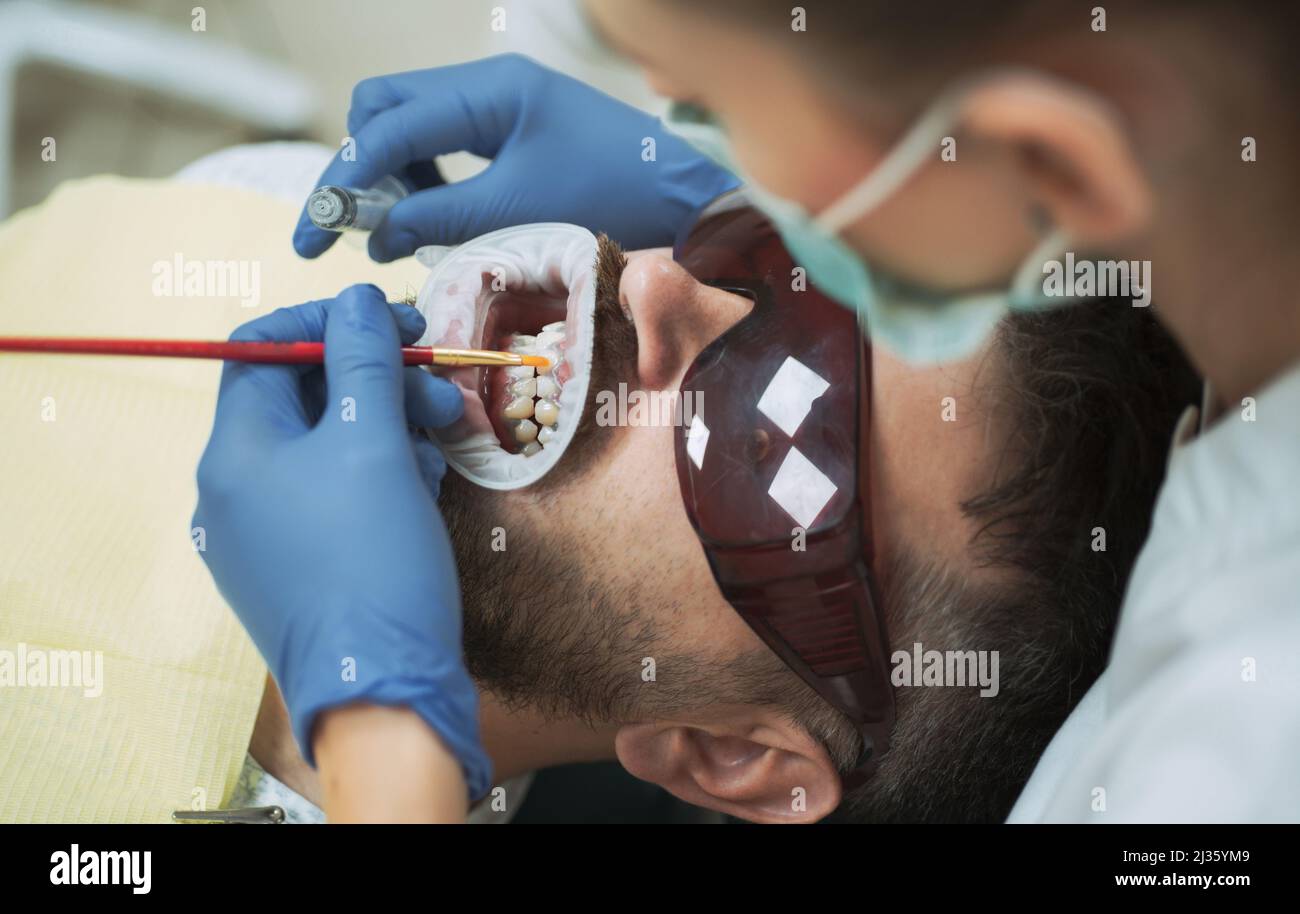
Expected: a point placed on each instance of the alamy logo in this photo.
(920, 667)
(34, 667)
(639, 408)
(184, 278)
(78, 867)
(1075, 278)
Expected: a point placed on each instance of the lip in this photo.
(532, 289)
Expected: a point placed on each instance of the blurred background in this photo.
(143, 87)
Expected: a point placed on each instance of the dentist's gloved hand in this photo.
(561, 152)
(318, 509)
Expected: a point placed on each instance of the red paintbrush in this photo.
(275, 353)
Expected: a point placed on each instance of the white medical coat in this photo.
(1197, 716)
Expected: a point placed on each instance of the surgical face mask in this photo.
(917, 324)
(529, 288)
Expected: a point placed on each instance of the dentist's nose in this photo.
(676, 316)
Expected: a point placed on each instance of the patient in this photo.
(1011, 529)
(986, 525)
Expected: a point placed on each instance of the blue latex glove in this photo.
(561, 152)
(322, 532)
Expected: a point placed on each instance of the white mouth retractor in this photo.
(551, 259)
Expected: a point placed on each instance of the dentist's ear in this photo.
(1076, 148)
(749, 763)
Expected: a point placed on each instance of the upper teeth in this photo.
(552, 359)
(525, 387)
(546, 387)
(519, 408)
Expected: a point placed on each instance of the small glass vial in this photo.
(336, 208)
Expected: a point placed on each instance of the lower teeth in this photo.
(532, 396)
(546, 412)
(526, 431)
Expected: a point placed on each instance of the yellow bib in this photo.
(127, 688)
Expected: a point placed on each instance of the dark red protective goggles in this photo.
(774, 443)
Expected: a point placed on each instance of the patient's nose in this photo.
(676, 316)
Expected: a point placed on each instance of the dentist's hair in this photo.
(929, 40)
(907, 52)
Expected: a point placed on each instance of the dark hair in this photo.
(1093, 393)
(931, 39)
(909, 52)
(1095, 390)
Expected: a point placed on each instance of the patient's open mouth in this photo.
(528, 289)
(523, 404)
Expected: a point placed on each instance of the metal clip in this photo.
(256, 815)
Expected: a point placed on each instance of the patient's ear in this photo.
(744, 761)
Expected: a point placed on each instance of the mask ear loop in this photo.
(1211, 408)
(1193, 422)
(922, 140)
(1026, 286)
(898, 165)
